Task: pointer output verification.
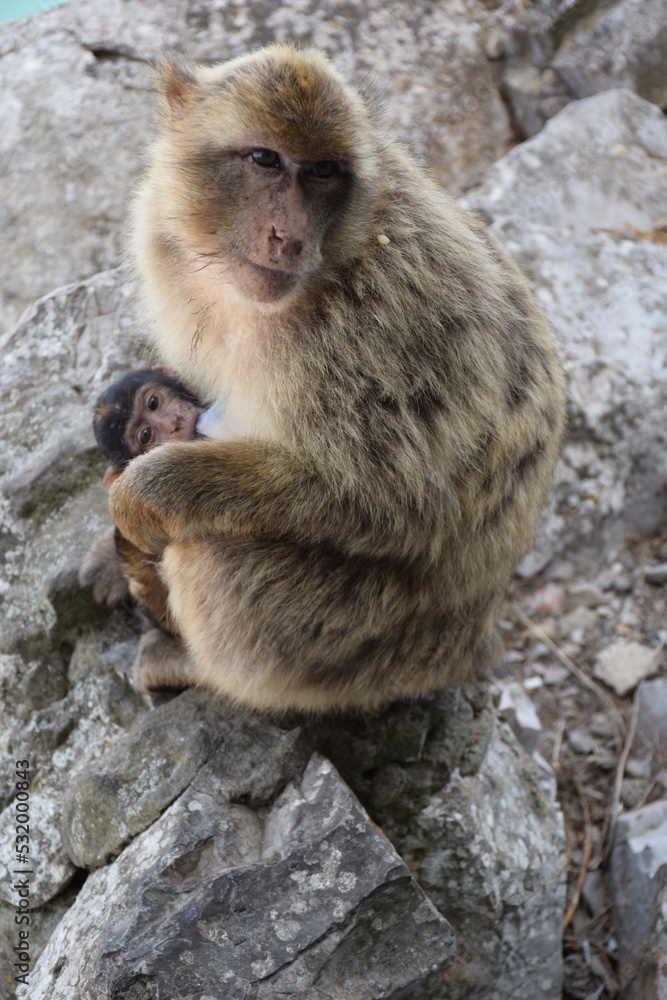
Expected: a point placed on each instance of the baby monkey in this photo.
(138, 412)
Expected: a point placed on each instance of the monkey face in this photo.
(160, 414)
(273, 218)
(264, 162)
(266, 215)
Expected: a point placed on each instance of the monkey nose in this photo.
(283, 245)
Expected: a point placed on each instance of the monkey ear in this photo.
(111, 475)
(177, 85)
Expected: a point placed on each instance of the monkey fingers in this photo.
(239, 487)
(161, 661)
(135, 507)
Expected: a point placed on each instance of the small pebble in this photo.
(555, 675)
(614, 578)
(633, 792)
(519, 712)
(601, 725)
(585, 595)
(580, 741)
(636, 768)
(548, 600)
(561, 572)
(656, 575)
(539, 651)
(578, 625)
(623, 664)
(513, 656)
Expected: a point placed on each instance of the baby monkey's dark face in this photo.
(160, 414)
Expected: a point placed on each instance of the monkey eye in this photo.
(145, 436)
(266, 158)
(323, 169)
(153, 401)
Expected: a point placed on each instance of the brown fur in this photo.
(117, 571)
(396, 417)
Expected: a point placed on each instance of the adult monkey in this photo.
(394, 405)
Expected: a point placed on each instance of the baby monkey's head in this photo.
(140, 411)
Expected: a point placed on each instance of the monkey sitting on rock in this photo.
(394, 404)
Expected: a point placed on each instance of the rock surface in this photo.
(639, 884)
(474, 818)
(301, 900)
(558, 51)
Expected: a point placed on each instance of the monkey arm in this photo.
(243, 487)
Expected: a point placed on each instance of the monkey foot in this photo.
(161, 662)
(102, 570)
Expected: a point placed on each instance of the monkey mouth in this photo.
(270, 281)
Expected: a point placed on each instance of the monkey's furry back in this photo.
(415, 387)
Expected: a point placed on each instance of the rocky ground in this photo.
(585, 654)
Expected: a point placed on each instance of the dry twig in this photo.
(615, 807)
(558, 739)
(585, 858)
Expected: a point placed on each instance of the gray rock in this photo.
(45, 921)
(111, 800)
(639, 890)
(496, 838)
(558, 51)
(66, 348)
(476, 821)
(308, 899)
(516, 708)
(535, 95)
(555, 674)
(79, 102)
(397, 761)
(656, 574)
(585, 595)
(618, 45)
(622, 665)
(579, 625)
(653, 710)
(596, 165)
(75, 731)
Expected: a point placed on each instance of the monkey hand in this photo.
(180, 492)
(136, 503)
